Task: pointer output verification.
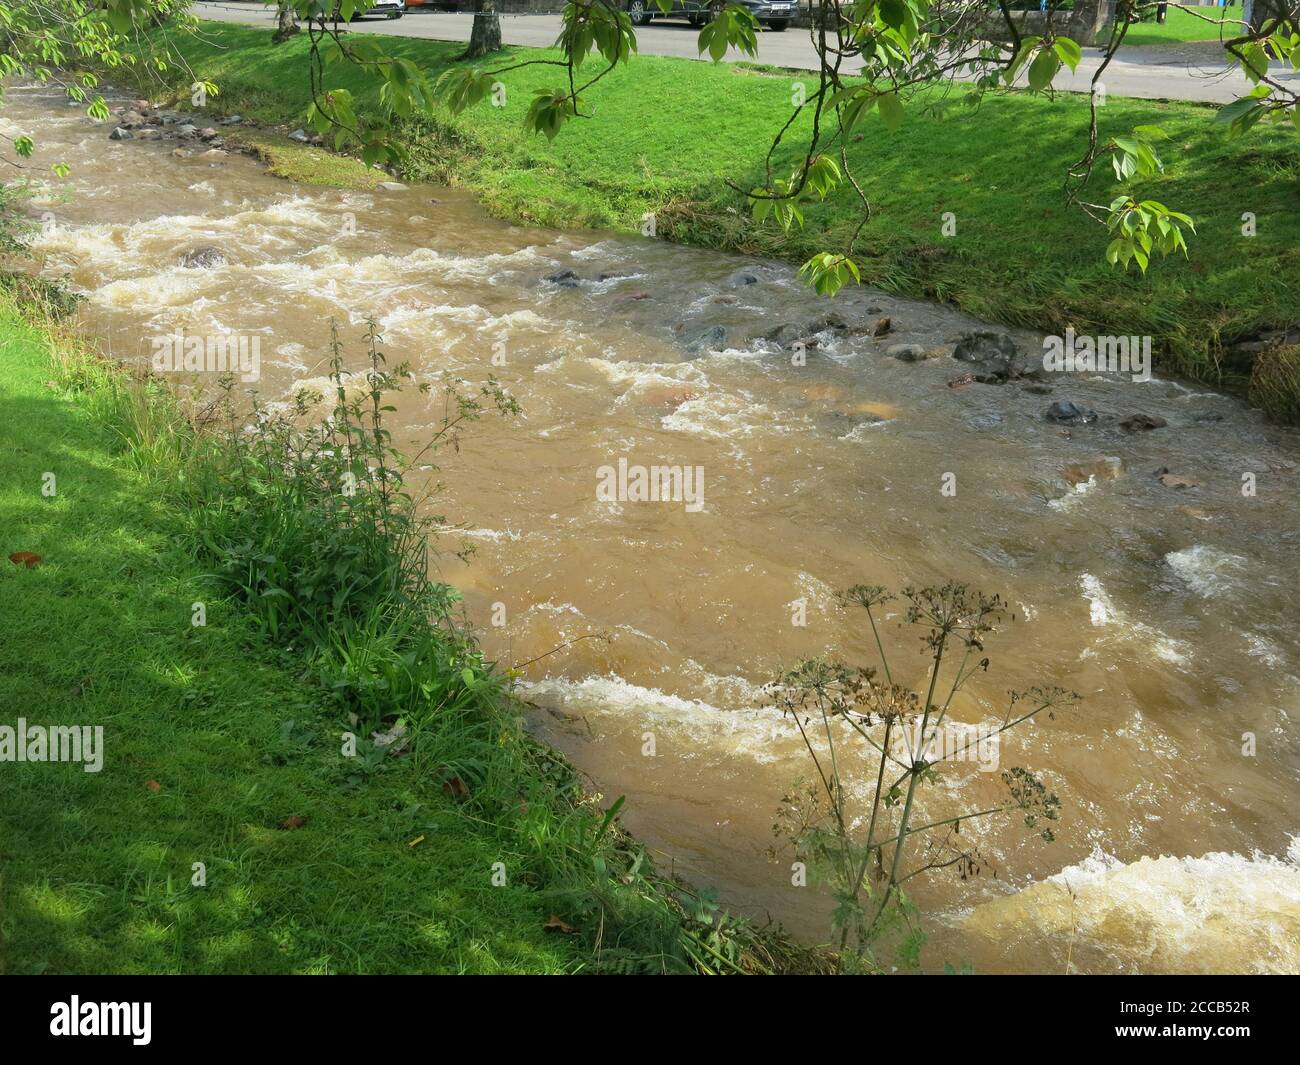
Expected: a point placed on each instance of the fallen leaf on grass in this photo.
(557, 924)
(26, 558)
(296, 821)
(153, 786)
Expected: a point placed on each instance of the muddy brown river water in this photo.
(1173, 612)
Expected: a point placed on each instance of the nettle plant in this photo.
(892, 57)
(874, 746)
(312, 522)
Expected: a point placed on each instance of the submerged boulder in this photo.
(711, 339)
(1141, 423)
(563, 278)
(203, 257)
(1068, 413)
(993, 355)
(984, 346)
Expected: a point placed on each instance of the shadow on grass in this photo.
(209, 746)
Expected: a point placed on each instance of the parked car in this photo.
(775, 14)
(381, 8)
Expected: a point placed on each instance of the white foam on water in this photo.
(1219, 913)
(488, 268)
(353, 281)
(758, 733)
(1071, 498)
(723, 416)
(639, 374)
(423, 321)
(1106, 615)
(494, 535)
(155, 293)
(1264, 649)
(635, 381)
(1208, 571)
(602, 248)
(291, 356)
(860, 432)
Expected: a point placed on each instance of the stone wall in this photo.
(1084, 23)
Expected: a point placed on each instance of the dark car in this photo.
(775, 14)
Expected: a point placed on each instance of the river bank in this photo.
(1018, 255)
(219, 823)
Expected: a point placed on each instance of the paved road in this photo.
(1155, 73)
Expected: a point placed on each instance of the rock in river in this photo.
(983, 346)
(563, 278)
(712, 339)
(1070, 413)
(203, 257)
(1140, 423)
(993, 355)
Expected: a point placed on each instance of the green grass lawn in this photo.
(210, 743)
(1182, 27)
(665, 135)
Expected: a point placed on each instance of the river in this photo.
(1172, 611)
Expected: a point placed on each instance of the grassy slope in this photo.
(668, 132)
(95, 868)
(1181, 26)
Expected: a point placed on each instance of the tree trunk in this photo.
(485, 37)
(1260, 11)
(288, 21)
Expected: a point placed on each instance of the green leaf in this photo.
(891, 110)
(1043, 69)
(858, 108)
(1068, 51)
(893, 13)
(1231, 112)
(1026, 46)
